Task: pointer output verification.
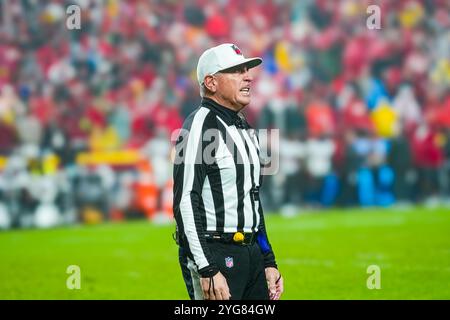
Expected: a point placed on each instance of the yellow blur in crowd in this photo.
(384, 119)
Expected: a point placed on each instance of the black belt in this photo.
(239, 238)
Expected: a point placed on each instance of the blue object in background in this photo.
(376, 92)
(330, 189)
(270, 64)
(385, 196)
(24, 92)
(366, 187)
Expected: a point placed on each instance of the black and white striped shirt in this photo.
(217, 176)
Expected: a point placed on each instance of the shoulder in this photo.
(201, 117)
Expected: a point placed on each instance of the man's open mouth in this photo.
(245, 91)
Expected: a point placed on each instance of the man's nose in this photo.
(248, 76)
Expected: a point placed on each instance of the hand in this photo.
(215, 288)
(274, 283)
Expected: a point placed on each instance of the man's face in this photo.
(233, 87)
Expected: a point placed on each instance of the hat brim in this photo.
(249, 62)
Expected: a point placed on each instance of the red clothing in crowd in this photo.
(217, 26)
(356, 116)
(43, 108)
(167, 117)
(425, 148)
(438, 114)
(319, 117)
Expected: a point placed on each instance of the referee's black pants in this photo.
(183, 260)
(243, 268)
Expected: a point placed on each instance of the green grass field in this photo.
(321, 255)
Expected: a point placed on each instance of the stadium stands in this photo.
(364, 115)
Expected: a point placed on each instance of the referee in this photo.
(217, 176)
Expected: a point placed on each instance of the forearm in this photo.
(195, 235)
(264, 244)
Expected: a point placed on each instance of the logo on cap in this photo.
(236, 49)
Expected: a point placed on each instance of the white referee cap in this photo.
(222, 57)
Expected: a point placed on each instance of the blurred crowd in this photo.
(364, 114)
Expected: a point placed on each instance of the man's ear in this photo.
(211, 83)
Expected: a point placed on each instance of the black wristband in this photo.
(278, 277)
(208, 272)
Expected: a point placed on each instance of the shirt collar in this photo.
(230, 117)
